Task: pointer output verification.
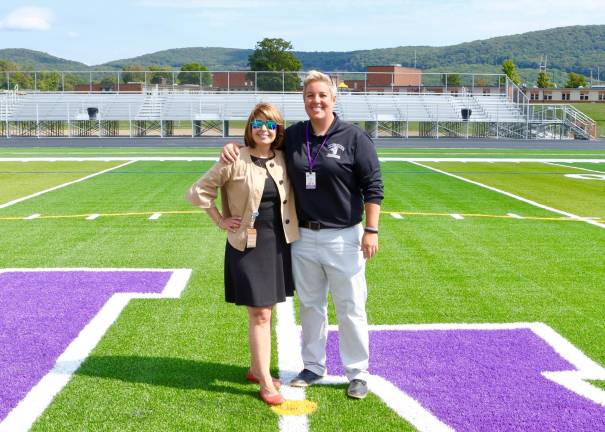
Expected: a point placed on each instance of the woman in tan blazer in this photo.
(259, 215)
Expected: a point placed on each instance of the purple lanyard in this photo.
(312, 161)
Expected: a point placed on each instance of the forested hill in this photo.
(576, 48)
(212, 58)
(37, 60)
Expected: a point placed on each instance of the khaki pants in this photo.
(331, 259)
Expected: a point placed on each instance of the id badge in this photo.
(311, 182)
(251, 242)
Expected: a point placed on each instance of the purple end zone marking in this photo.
(479, 380)
(42, 312)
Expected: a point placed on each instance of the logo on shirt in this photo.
(335, 150)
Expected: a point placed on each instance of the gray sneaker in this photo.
(358, 389)
(305, 378)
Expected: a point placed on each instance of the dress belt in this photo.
(316, 226)
(312, 225)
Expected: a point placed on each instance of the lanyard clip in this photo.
(253, 217)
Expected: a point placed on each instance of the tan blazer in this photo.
(242, 184)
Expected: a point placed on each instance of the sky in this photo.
(95, 32)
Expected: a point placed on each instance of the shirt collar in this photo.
(331, 129)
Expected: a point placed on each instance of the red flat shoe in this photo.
(271, 399)
(250, 377)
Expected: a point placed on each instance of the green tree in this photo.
(575, 80)
(510, 70)
(160, 74)
(49, 81)
(133, 73)
(451, 80)
(8, 81)
(275, 56)
(544, 80)
(70, 80)
(188, 74)
(6, 65)
(108, 81)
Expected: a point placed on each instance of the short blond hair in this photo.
(269, 112)
(317, 76)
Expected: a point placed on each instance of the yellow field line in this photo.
(405, 213)
(80, 216)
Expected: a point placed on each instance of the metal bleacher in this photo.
(149, 110)
(72, 106)
(223, 106)
(172, 105)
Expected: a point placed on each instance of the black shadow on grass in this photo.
(167, 372)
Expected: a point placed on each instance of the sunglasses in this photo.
(257, 124)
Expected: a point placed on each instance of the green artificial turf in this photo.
(597, 167)
(19, 179)
(178, 364)
(543, 183)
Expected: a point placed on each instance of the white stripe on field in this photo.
(215, 158)
(33, 216)
(289, 363)
(457, 216)
(115, 159)
(23, 416)
(93, 216)
(495, 160)
(18, 200)
(578, 168)
(517, 197)
(396, 216)
(155, 216)
(406, 406)
(514, 215)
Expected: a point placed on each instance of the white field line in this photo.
(155, 216)
(457, 216)
(396, 216)
(578, 168)
(23, 416)
(406, 406)
(494, 160)
(93, 216)
(33, 216)
(289, 363)
(18, 200)
(517, 197)
(113, 159)
(215, 158)
(514, 215)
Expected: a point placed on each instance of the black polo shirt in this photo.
(347, 173)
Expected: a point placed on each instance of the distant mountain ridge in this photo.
(38, 60)
(568, 49)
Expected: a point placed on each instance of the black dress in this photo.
(261, 276)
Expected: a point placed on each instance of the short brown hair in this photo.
(269, 112)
